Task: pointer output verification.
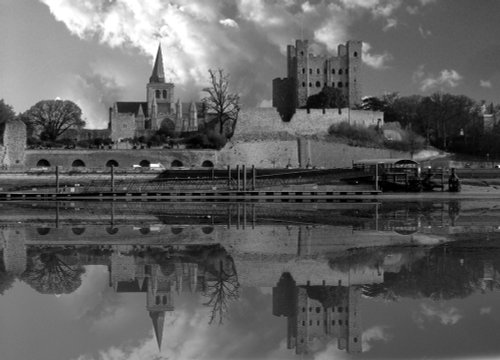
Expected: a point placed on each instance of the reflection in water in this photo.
(319, 261)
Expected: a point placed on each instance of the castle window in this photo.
(303, 84)
(346, 308)
(302, 53)
(303, 309)
(318, 71)
(317, 322)
(318, 84)
(310, 322)
(347, 322)
(333, 84)
(318, 309)
(333, 322)
(303, 70)
(340, 72)
(347, 71)
(339, 309)
(303, 323)
(355, 339)
(164, 300)
(310, 84)
(333, 71)
(310, 71)
(324, 71)
(158, 94)
(346, 84)
(164, 94)
(340, 322)
(339, 84)
(310, 309)
(355, 54)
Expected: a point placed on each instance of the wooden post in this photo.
(244, 171)
(112, 178)
(229, 176)
(57, 179)
(213, 173)
(376, 177)
(254, 175)
(442, 180)
(238, 177)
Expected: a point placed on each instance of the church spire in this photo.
(158, 318)
(158, 75)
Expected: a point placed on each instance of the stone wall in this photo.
(14, 139)
(263, 121)
(124, 158)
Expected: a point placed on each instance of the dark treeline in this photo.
(449, 122)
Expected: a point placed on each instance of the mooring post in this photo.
(238, 177)
(57, 179)
(254, 175)
(112, 178)
(229, 176)
(244, 171)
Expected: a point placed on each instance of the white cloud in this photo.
(485, 311)
(376, 61)
(376, 333)
(446, 316)
(229, 23)
(485, 83)
(412, 10)
(446, 79)
(427, 2)
(424, 33)
(391, 23)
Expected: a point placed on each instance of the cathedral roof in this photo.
(158, 318)
(158, 74)
(132, 107)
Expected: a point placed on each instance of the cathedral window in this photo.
(158, 94)
(339, 84)
(340, 72)
(164, 94)
(318, 83)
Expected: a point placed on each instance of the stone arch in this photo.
(176, 163)
(43, 230)
(43, 163)
(111, 230)
(145, 163)
(78, 163)
(112, 163)
(144, 230)
(176, 230)
(207, 163)
(207, 229)
(78, 230)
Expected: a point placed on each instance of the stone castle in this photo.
(307, 74)
(129, 119)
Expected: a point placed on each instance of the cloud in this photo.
(485, 311)
(427, 2)
(446, 316)
(446, 79)
(424, 33)
(376, 61)
(485, 84)
(391, 23)
(229, 23)
(376, 333)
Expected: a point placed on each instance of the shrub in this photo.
(357, 135)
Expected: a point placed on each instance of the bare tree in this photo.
(222, 290)
(53, 117)
(223, 103)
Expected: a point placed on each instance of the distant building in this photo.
(307, 74)
(129, 119)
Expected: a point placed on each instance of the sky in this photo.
(98, 52)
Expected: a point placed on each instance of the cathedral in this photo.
(131, 119)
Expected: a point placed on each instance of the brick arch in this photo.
(176, 163)
(78, 163)
(43, 163)
(145, 163)
(112, 163)
(207, 163)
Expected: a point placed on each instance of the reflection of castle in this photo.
(318, 312)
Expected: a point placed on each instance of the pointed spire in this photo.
(158, 318)
(140, 112)
(158, 75)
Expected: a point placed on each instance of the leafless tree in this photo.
(223, 103)
(221, 291)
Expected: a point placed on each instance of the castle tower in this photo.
(193, 117)
(354, 52)
(159, 90)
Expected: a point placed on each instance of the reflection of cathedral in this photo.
(129, 119)
(318, 312)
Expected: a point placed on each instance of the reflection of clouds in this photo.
(485, 311)
(376, 333)
(446, 316)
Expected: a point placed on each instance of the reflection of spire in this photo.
(158, 318)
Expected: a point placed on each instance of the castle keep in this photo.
(307, 74)
(135, 118)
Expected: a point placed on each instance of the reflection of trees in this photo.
(6, 279)
(222, 289)
(47, 273)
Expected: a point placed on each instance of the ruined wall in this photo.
(262, 121)
(14, 140)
